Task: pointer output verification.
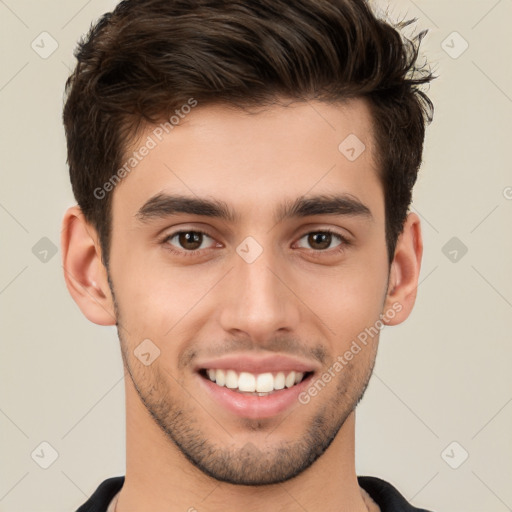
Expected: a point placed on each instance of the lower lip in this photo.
(253, 406)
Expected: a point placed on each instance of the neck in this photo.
(160, 479)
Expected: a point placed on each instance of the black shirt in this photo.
(384, 494)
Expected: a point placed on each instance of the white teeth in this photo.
(290, 380)
(279, 380)
(265, 383)
(247, 382)
(261, 384)
(231, 379)
(220, 377)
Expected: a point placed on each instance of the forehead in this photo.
(252, 159)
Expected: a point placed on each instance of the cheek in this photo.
(347, 299)
(154, 299)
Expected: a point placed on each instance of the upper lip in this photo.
(258, 364)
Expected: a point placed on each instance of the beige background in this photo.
(443, 376)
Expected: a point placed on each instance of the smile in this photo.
(256, 384)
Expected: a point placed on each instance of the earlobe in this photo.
(404, 273)
(84, 272)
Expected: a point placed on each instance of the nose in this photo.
(259, 300)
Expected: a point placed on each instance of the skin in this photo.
(183, 449)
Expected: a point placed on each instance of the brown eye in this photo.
(321, 240)
(188, 240)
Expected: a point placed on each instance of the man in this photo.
(243, 172)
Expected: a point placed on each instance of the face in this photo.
(248, 254)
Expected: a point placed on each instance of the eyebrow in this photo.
(165, 205)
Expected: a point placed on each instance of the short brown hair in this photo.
(149, 57)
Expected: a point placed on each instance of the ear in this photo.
(84, 272)
(404, 273)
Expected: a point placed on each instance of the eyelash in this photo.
(338, 249)
(344, 243)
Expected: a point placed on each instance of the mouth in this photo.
(254, 384)
(254, 388)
